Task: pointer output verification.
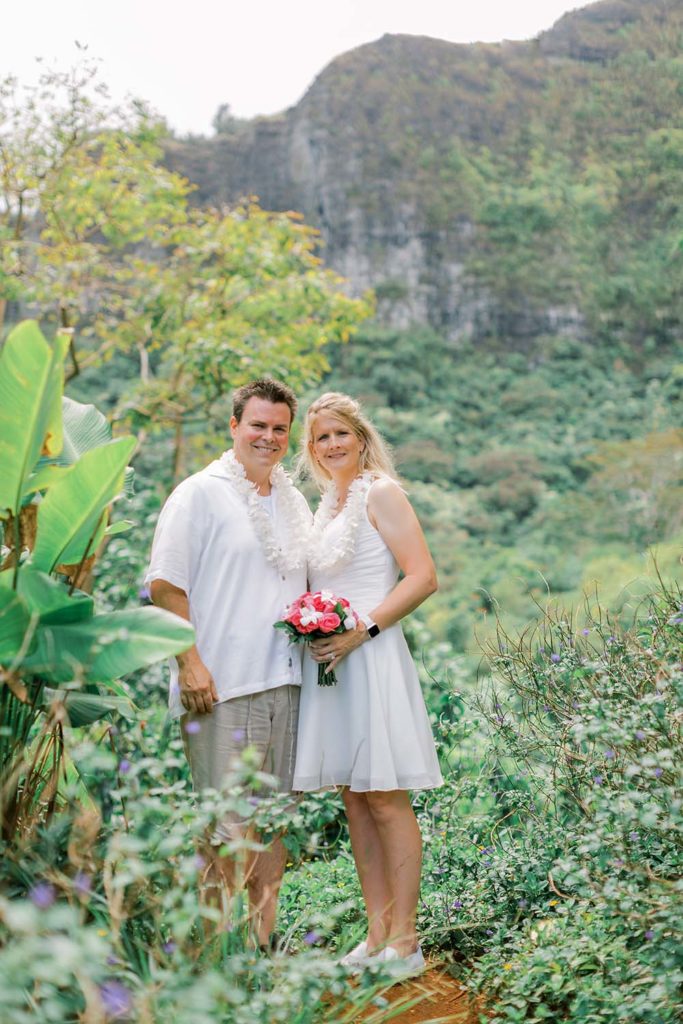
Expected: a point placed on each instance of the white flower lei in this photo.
(325, 556)
(289, 553)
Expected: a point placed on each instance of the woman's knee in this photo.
(355, 804)
(387, 806)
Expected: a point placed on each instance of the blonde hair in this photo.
(375, 457)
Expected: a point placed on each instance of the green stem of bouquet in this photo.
(326, 677)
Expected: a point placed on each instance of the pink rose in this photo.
(329, 622)
(309, 628)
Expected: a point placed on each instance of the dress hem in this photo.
(311, 785)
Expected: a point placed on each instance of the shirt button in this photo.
(290, 662)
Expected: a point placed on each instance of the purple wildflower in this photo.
(124, 766)
(597, 780)
(586, 632)
(310, 938)
(489, 932)
(640, 735)
(555, 658)
(523, 904)
(169, 947)
(82, 883)
(144, 593)
(42, 895)
(633, 836)
(649, 934)
(609, 754)
(199, 862)
(117, 1001)
(456, 905)
(618, 863)
(659, 772)
(193, 727)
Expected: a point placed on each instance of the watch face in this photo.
(373, 630)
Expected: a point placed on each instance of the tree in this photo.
(100, 240)
(55, 652)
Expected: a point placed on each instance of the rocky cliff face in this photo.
(371, 156)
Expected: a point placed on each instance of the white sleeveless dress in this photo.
(370, 731)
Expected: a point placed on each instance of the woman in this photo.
(369, 733)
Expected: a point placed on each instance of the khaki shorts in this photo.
(265, 721)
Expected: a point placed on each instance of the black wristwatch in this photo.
(372, 628)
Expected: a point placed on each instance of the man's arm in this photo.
(197, 688)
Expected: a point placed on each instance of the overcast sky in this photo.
(259, 56)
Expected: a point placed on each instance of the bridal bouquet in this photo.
(316, 615)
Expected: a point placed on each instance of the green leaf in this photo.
(122, 526)
(108, 646)
(15, 620)
(45, 476)
(31, 374)
(69, 514)
(84, 428)
(85, 708)
(47, 597)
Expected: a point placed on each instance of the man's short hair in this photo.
(272, 390)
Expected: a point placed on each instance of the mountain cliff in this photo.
(425, 165)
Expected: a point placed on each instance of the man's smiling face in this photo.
(261, 436)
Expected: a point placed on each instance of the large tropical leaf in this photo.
(84, 708)
(15, 620)
(107, 646)
(31, 376)
(70, 518)
(84, 428)
(47, 597)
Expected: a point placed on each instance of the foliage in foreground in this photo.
(59, 474)
(551, 857)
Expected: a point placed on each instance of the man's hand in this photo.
(197, 688)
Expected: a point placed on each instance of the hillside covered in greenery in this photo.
(495, 192)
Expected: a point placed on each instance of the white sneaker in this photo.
(404, 966)
(359, 957)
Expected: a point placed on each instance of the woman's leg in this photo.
(368, 854)
(401, 848)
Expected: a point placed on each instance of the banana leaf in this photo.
(15, 621)
(31, 380)
(72, 516)
(85, 708)
(108, 646)
(47, 597)
(84, 428)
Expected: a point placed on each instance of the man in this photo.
(229, 554)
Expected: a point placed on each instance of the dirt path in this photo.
(434, 996)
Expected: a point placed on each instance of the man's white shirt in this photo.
(205, 544)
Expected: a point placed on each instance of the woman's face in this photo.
(334, 445)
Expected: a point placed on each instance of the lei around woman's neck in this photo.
(327, 556)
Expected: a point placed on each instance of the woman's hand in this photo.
(332, 649)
